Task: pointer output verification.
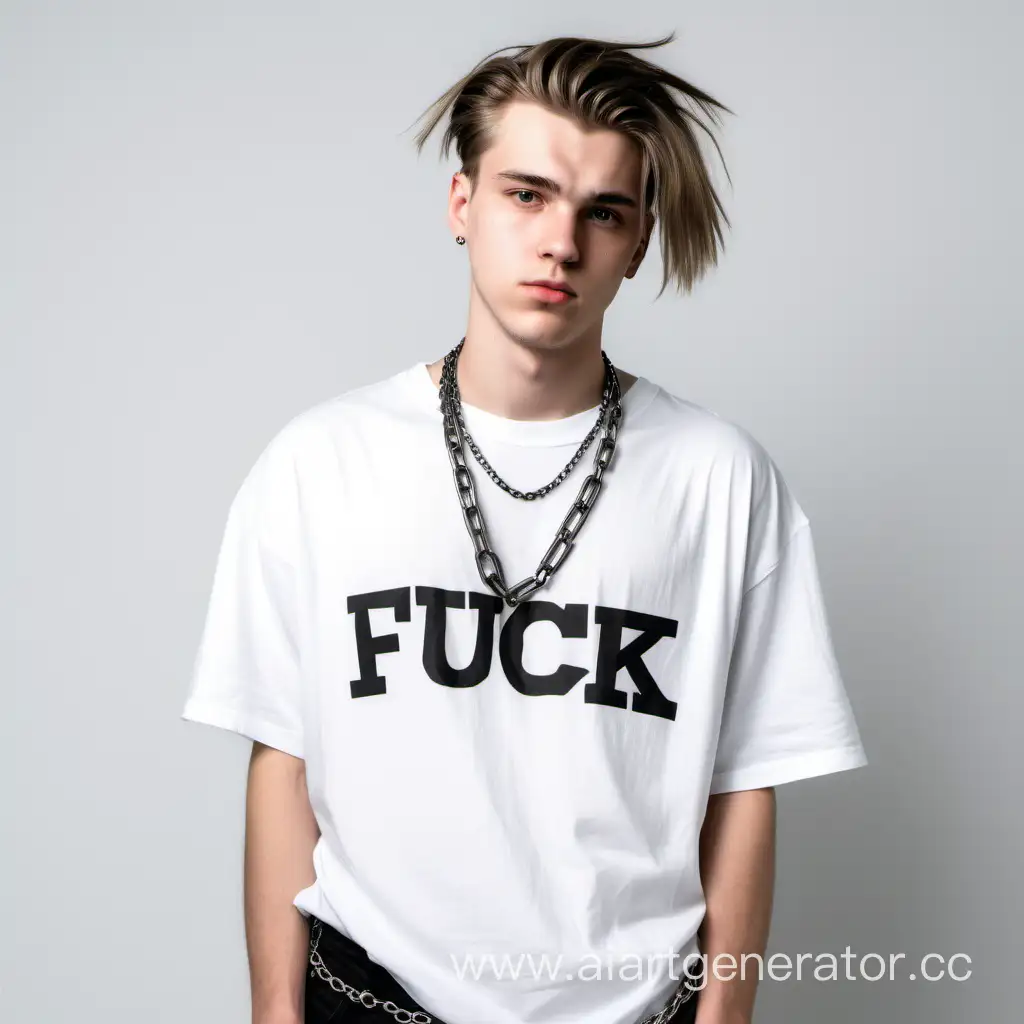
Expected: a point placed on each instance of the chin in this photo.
(541, 329)
(541, 340)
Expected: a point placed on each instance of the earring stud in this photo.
(460, 239)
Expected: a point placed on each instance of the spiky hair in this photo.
(601, 84)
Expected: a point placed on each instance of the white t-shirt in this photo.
(530, 781)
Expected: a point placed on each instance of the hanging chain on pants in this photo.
(366, 998)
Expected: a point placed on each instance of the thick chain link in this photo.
(455, 397)
(487, 561)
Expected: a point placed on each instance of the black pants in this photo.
(347, 961)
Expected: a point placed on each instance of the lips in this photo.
(547, 294)
(558, 286)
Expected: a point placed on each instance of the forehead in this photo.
(529, 137)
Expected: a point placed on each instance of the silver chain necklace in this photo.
(489, 469)
(487, 561)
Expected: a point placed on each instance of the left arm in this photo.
(737, 853)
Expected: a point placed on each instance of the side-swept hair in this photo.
(600, 84)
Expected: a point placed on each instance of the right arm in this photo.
(280, 833)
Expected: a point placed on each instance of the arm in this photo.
(737, 852)
(280, 833)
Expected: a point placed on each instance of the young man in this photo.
(496, 722)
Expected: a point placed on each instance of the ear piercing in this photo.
(460, 239)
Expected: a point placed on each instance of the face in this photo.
(552, 201)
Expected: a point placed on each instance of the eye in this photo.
(524, 192)
(611, 217)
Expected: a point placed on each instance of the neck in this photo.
(506, 377)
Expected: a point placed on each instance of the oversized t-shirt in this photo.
(508, 797)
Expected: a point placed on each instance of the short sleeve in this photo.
(786, 714)
(246, 673)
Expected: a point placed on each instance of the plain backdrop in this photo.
(212, 216)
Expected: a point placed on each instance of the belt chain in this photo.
(366, 998)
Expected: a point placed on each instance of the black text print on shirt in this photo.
(571, 620)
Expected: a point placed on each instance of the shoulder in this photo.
(705, 438)
(729, 472)
(291, 464)
(316, 430)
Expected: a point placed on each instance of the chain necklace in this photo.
(490, 471)
(487, 562)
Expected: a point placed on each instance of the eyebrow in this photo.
(539, 181)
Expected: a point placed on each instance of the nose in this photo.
(559, 237)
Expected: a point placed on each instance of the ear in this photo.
(459, 193)
(641, 249)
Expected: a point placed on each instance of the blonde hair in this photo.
(600, 84)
